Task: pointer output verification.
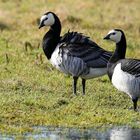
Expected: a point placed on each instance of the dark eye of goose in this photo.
(113, 33)
(46, 18)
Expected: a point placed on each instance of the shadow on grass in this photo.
(4, 26)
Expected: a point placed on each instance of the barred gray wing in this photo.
(131, 66)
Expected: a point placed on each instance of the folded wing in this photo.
(131, 66)
(77, 45)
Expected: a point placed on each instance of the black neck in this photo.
(118, 54)
(52, 38)
(120, 50)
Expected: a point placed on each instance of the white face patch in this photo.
(43, 18)
(115, 35)
(48, 19)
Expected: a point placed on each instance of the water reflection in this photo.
(124, 134)
(49, 133)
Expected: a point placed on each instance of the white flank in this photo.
(126, 82)
(56, 60)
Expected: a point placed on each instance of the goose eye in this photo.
(113, 33)
(45, 18)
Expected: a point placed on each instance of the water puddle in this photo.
(50, 133)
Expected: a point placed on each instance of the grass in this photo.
(33, 93)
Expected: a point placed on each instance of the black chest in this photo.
(110, 69)
(49, 44)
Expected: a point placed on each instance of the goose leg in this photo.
(135, 103)
(74, 84)
(83, 85)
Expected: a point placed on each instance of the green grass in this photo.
(33, 93)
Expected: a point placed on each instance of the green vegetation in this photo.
(33, 93)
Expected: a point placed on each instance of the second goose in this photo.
(123, 73)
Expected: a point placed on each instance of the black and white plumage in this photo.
(73, 53)
(123, 73)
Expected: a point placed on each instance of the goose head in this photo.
(48, 19)
(115, 35)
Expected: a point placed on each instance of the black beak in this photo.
(107, 37)
(40, 25)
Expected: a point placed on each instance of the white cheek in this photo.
(46, 22)
(50, 21)
(43, 17)
(116, 38)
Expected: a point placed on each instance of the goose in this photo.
(124, 73)
(73, 53)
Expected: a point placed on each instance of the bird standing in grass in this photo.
(73, 54)
(123, 73)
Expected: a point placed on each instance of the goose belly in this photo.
(126, 82)
(74, 66)
(95, 72)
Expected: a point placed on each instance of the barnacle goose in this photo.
(73, 53)
(123, 73)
